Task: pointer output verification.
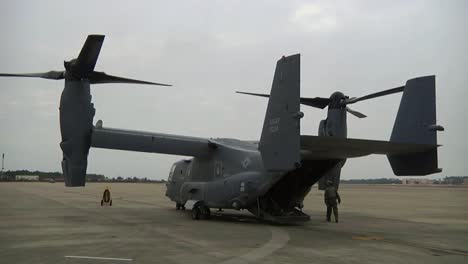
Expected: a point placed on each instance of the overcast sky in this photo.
(208, 50)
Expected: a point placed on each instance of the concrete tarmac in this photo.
(48, 223)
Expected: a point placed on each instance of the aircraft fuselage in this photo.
(234, 177)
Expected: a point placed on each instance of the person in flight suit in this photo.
(331, 196)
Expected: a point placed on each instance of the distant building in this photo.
(417, 181)
(95, 178)
(27, 177)
(465, 181)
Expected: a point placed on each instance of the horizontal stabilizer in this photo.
(323, 148)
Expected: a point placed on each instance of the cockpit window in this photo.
(171, 173)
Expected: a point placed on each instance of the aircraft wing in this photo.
(321, 148)
(130, 140)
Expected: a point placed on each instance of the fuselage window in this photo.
(218, 168)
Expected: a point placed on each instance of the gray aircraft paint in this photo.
(270, 177)
(76, 109)
(416, 124)
(280, 140)
(76, 121)
(335, 125)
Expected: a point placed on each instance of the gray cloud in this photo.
(209, 49)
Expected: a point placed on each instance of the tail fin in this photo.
(416, 123)
(280, 140)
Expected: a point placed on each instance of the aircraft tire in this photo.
(206, 213)
(102, 202)
(110, 204)
(177, 206)
(196, 213)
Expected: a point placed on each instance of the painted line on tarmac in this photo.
(429, 247)
(410, 244)
(278, 240)
(99, 258)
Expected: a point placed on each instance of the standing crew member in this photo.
(331, 195)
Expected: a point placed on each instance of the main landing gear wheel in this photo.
(196, 212)
(200, 211)
(205, 212)
(180, 206)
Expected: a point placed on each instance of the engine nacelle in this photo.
(76, 123)
(338, 129)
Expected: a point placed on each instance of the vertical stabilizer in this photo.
(280, 140)
(416, 123)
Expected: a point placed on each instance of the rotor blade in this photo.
(87, 59)
(355, 113)
(374, 95)
(254, 94)
(101, 77)
(317, 102)
(53, 75)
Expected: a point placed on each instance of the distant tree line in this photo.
(44, 176)
(58, 176)
(372, 181)
(41, 174)
(133, 179)
(447, 180)
(451, 180)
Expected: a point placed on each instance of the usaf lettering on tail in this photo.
(269, 177)
(274, 125)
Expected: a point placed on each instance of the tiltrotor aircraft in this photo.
(270, 177)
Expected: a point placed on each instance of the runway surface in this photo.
(48, 223)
